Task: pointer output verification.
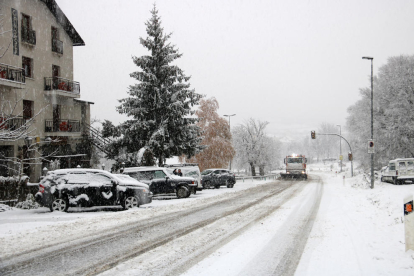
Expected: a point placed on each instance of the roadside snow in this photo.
(33, 228)
(358, 231)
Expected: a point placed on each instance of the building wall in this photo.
(43, 58)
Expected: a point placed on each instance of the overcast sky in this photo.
(294, 64)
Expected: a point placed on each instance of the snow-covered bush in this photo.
(29, 203)
(4, 207)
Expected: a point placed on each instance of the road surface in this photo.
(179, 243)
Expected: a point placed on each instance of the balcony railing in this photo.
(12, 123)
(62, 126)
(28, 36)
(12, 73)
(62, 84)
(57, 46)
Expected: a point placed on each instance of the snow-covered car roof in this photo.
(123, 180)
(137, 169)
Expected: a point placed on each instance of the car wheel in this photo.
(130, 202)
(382, 179)
(395, 181)
(206, 185)
(59, 205)
(182, 192)
(217, 186)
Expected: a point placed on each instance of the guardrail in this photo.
(259, 177)
(57, 83)
(12, 73)
(62, 125)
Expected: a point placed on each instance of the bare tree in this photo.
(249, 141)
(13, 126)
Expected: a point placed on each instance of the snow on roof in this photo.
(64, 22)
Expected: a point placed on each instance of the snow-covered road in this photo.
(257, 228)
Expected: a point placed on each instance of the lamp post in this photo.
(230, 131)
(372, 117)
(340, 145)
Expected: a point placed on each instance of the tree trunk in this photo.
(261, 170)
(160, 161)
(253, 169)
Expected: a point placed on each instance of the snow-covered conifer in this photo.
(159, 106)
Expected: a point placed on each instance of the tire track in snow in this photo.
(94, 255)
(282, 255)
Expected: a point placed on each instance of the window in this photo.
(402, 165)
(28, 35)
(27, 64)
(55, 71)
(27, 109)
(159, 174)
(392, 166)
(57, 45)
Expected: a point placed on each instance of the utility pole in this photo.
(230, 131)
(340, 146)
(372, 117)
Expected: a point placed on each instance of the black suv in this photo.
(217, 177)
(160, 181)
(61, 189)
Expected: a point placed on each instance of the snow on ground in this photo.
(358, 231)
(37, 227)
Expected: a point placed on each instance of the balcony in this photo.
(57, 46)
(62, 126)
(62, 87)
(12, 76)
(28, 36)
(11, 123)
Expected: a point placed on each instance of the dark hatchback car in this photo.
(217, 177)
(61, 189)
(161, 181)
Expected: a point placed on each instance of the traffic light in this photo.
(371, 146)
(350, 156)
(313, 134)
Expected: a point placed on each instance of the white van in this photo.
(399, 171)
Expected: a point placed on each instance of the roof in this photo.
(64, 22)
(83, 101)
(137, 169)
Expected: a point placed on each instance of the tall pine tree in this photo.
(159, 104)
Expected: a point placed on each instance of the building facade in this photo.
(37, 87)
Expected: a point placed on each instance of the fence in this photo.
(11, 191)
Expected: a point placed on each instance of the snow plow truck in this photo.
(295, 167)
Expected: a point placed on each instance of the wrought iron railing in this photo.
(12, 73)
(57, 83)
(57, 46)
(11, 123)
(62, 126)
(28, 36)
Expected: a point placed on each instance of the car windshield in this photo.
(294, 160)
(206, 172)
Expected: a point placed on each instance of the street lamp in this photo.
(372, 117)
(340, 145)
(230, 130)
(229, 117)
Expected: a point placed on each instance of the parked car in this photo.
(399, 171)
(161, 181)
(63, 188)
(217, 177)
(188, 170)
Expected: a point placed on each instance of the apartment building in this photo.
(36, 73)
